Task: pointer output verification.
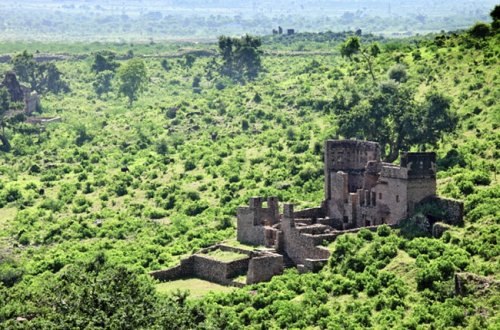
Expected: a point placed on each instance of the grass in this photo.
(241, 279)
(404, 266)
(197, 287)
(7, 214)
(225, 256)
(234, 243)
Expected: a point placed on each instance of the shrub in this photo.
(12, 194)
(398, 73)
(384, 231)
(52, 204)
(120, 189)
(195, 208)
(189, 165)
(154, 213)
(366, 234)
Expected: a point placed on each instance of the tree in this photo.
(26, 68)
(352, 47)
(189, 60)
(133, 77)
(390, 115)
(104, 61)
(51, 80)
(165, 65)
(4, 107)
(42, 77)
(437, 118)
(495, 13)
(240, 57)
(480, 30)
(103, 82)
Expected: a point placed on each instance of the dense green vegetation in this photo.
(88, 206)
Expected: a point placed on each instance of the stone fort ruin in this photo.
(360, 191)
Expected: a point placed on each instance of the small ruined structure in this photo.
(280, 31)
(360, 190)
(255, 266)
(20, 93)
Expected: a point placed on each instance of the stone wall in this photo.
(247, 232)
(392, 195)
(299, 246)
(468, 283)
(218, 271)
(351, 157)
(252, 219)
(183, 270)
(419, 190)
(204, 267)
(312, 213)
(263, 268)
(31, 102)
(453, 210)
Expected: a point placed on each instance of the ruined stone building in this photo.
(360, 191)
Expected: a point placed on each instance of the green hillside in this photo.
(91, 204)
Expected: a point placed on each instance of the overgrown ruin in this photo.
(360, 190)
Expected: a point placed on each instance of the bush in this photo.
(51, 204)
(12, 194)
(189, 165)
(154, 213)
(398, 73)
(366, 234)
(195, 208)
(384, 231)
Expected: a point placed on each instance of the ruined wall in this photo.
(391, 194)
(339, 193)
(183, 270)
(205, 268)
(31, 102)
(312, 213)
(351, 157)
(218, 271)
(251, 220)
(421, 167)
(453, 210)
(372, 172)
(296, 245)
(469, 283)
(418, 190)
(261, 269)
(247, 232)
